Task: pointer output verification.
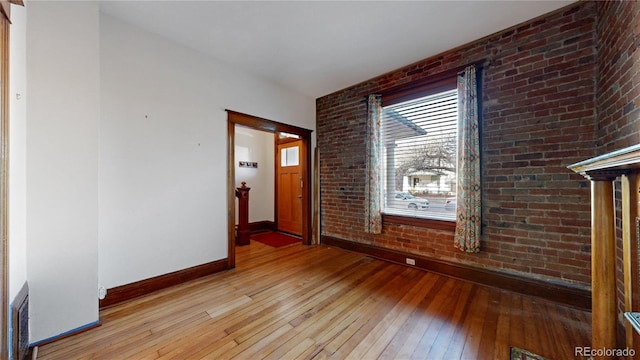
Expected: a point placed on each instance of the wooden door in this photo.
(289, 186)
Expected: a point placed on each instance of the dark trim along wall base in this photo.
(261, 226)
(567, 295)
(130, 291)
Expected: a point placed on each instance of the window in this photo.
(289, 156)
(412, 133)
(419, 152)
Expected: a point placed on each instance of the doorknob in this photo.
(299, 196)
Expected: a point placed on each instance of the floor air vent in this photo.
(20, 324)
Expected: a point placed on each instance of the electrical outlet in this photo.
(411, 261)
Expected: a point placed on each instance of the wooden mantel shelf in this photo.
(620, 160)
(602, 171)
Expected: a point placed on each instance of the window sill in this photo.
(448, 225)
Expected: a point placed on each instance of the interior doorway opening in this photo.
(300, 197)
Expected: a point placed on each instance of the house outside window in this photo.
(419, 155)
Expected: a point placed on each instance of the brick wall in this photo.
(618, 88)
(618, 94)
(538, 117)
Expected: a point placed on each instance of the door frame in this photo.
(257, 123)
(5, 22)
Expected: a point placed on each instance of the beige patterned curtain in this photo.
(469, 193)
(372, 206)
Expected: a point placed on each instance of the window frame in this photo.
(425, 87)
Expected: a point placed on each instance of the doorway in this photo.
(303, 195)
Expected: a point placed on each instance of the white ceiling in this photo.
(318, 47)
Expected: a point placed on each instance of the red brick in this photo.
(539, 115)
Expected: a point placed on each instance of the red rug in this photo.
(275, 239)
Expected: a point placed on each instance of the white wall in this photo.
(256, 146)
(17, 152)
(163, 151)
(63, 112)
(126, 157)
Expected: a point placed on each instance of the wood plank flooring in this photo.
(303, 302)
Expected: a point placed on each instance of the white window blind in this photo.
(419, 143)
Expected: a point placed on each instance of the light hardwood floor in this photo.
(302, 302)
